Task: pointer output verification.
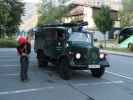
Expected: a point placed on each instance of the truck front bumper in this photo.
(102, 63)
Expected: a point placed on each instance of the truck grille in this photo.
(88, 57)
(82, 61)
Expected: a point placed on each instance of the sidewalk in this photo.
(109, 44)
(117, 53)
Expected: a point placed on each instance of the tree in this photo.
(51, 12)
(126, 14)
(10, 16)
(4, 17)
(103, 21)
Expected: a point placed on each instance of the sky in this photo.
(30, 15)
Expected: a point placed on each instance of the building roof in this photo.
(78, 10)
(97, 3)
(96, 7)
(78, 6)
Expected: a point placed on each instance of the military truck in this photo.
(69, 48)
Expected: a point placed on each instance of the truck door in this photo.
(60, 45)
(50, 42)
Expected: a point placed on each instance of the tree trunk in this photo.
(104, 40)
(0, 36)
(0, 33)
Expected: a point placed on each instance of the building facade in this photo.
(84, 10)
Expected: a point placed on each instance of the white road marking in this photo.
(6, 56)
(10, 56)
(100, 83)
(8, 66)
(25, 90)
(9, 74)
(14, 56)
(120, 75)
(15, 59)
(11, 60)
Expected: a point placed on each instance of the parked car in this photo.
(126, 37)
(68, 49)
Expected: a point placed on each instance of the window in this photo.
(80, 37)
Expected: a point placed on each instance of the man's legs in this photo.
(24, 67)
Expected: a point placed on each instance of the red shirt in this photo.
(24, 48)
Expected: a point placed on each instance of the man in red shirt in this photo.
(24, 49)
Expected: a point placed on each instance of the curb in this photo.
(118, 53)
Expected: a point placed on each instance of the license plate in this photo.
(93, 66)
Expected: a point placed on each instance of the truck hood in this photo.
(89, 53)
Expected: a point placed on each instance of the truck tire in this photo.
(42, 61)
(98, 72)
(64, 70)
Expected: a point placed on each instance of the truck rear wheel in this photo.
(98, 72)
(42, 61)
(64, 70)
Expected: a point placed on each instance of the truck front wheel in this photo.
(98, 72)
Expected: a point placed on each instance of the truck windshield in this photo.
(80, 37)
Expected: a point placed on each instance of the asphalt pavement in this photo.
(45, 84)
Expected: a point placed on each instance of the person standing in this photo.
(24, 49)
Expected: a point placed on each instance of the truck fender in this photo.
(104, 63)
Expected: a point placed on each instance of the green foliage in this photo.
(101, 46)
(126, 14)
(8, 43)
(51, 12)
(103, 19)
(10, 16)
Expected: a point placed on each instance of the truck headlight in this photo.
(67, 45)
(78, 55)
(102, 56)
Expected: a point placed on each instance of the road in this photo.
(45, 84)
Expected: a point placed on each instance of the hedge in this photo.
(8, 43)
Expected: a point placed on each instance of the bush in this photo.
(131, 47)
(8, 43)
(101, 46)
